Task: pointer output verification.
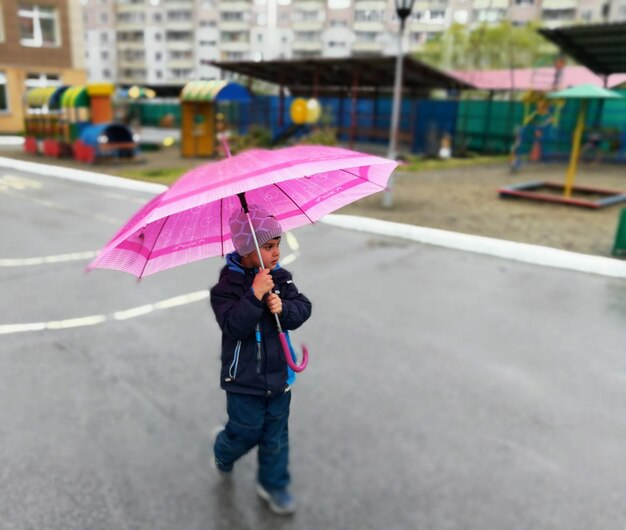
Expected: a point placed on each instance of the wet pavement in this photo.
(446, 390)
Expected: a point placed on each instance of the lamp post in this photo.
(403, 10)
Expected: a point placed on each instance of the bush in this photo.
(257, 136)
(320, 136)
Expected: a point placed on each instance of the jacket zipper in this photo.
(232, 370)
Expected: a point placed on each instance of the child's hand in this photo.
(274, 303)
(262, 284)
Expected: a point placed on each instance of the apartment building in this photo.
(166, 42)
(41, 44)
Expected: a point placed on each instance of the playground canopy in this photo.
(535, 78)
(333, 76)
(599, 47)
(209, 91)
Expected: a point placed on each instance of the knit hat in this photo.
(266, 227)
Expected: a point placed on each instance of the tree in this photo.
(488, 47)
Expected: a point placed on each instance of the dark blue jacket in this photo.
(251, 363)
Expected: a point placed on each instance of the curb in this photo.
(523, 252)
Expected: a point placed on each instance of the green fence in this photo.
(489, 126)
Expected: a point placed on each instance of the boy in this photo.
(254, 372)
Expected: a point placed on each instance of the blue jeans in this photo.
(252, 421)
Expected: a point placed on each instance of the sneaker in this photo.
(221, 469)
(279, 501)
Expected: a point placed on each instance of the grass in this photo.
(165, 175)
(168, 175)
(427, 164)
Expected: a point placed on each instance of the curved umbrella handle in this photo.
(287, 351)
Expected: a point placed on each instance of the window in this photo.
(104, 55)
(369, 15)
(178, 55)
(307, 36)
(178, 36)
(558, 14)
(106, 73)
(104, 38)
(179, 16)
(131, 17)
(41, 80)
(366, 36)
(524, 2)
(4, 103)
(228, 16)
(435, 16)
(38, 26)
(234, 36)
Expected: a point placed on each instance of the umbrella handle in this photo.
(287, 351)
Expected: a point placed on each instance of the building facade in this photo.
(41, 44)
(166, 42)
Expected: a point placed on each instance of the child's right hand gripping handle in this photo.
(287, 352)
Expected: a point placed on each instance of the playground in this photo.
(456, 195)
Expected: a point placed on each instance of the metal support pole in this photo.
(392, 152)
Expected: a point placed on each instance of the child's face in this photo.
(270, 252)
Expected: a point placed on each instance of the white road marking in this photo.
(17, 183)
(126, 314)
(92, 320)
(79, 213)
(60, 258)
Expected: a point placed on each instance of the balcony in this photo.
(234, 25)
(368, 26)
(234, 46)
(361, 46)
(242, 6)
(306, 46)
(180, 63)
(308, 25)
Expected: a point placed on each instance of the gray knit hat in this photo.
(266, 227)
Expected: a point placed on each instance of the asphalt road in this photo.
(445, 390)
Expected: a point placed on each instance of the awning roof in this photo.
(333, 76)
(599, 47)
(214, 91)
(38, 97)
(541, 79)
(75, 96)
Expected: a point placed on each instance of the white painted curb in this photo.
(534, 254)
(81, 175)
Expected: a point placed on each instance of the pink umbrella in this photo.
(189, 221)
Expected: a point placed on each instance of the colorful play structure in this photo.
(563, 193)
(75, 121)
(539, 114)
(199, 114)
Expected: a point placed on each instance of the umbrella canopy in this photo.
(584, 92)
(189, 221)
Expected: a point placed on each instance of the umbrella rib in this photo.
(295, 203)
(364, 179)
(155, 242)
(222, 224)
